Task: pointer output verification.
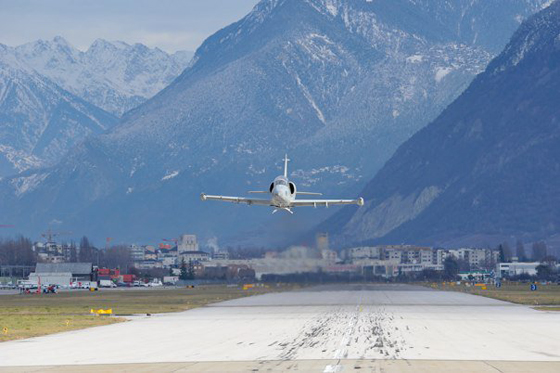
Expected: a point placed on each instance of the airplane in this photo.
(283, 194)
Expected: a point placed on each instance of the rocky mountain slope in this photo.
(338, 84)
(488, 168)
(114, 76)
(39, 121)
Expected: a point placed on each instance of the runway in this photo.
(326, 328)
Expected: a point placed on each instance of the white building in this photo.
(329, 256)
(364, 252)
(168, 261)
(51, 278)
(221, 255)
(477, 258)
(194, 256)
(136, 253)
(515, 269)
(393, 255)
(187, 242)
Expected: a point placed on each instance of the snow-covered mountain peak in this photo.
(113, 75)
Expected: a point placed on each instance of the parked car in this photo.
(107, 284)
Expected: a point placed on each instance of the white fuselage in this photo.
(282, 196)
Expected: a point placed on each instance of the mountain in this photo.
(487, 169)
(114, 76)
(39, 121)
(338, 84)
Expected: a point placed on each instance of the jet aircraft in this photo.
(282, 196)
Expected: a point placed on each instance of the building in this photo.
(478, 275)
(393, 255)
(187, 242)
(322, 241)
(51, 252)
(169, 261)
(194, 256)
(54, 278)
(62, 274)
(329, 256)
(221, 255)
(79, 271)
(516, 269)
(364, 252)
(476, 258)
(136, 253)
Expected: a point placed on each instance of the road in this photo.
(325, 328)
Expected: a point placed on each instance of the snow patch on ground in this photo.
(417, 58)
(26, 184)
(442, 72)
(170, 175)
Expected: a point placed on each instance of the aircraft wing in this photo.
(326, 202)
(248, 201)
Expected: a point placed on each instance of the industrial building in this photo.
(515, 269)
(62, 274)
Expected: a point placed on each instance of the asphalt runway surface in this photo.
(325, 328)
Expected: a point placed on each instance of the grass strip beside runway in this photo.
(520, 293)
(30, 315)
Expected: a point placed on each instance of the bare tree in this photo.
(17, 251)
(86, 253)
(520, 251)
(507, 251)
(539, 251)
(116, 257)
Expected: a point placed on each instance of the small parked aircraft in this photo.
(283, 194)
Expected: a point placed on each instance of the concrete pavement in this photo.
(329, 328)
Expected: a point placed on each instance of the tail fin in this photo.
(286, 160)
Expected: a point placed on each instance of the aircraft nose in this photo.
(280, 192)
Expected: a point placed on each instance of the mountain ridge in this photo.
(114, 76)
(339, 94)
(486, 169)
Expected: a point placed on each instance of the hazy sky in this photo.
(170, 25)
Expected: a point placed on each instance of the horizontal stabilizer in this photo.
(259, 191)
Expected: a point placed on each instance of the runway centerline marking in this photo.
(341, 351)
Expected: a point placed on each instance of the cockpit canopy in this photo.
(281, 180)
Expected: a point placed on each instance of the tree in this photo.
(86, 251)
(117, 257)
(73, 253)
(545, 272)
(539, 251)
(507, 251)
(450, 268)
(17, 252)
(464, 265)
(550, 260)
(190, 270)
(520, 251)
(184, 274)
(502, 254)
